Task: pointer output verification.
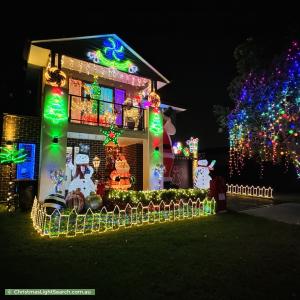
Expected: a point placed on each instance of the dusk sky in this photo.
(193, 49)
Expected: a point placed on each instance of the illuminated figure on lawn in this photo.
(82, 174)
(202, 178)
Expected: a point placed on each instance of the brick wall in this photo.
(134, 156)
(19, 129)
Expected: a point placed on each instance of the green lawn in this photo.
(227, 256)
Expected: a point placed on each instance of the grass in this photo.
(227, 256)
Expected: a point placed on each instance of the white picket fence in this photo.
(72, 223)
(262, 192)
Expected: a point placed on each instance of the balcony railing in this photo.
(84, 110)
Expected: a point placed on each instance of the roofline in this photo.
(162, 105)
(106, 35)
(73, 38)
(143, 60)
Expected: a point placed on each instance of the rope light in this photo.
(71, 224)
(252, 191)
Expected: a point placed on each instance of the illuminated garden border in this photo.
(262, 192)
(71, 224)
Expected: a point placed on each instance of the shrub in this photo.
(121, 198)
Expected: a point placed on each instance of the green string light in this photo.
(111, 135)
(156, 124)
(122, 66)
(12, 155)
(55, 106)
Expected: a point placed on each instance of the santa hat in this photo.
(202, 163)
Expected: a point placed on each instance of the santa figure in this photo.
(120, 177)
(82, 174)
(202, 178)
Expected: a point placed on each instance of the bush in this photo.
(121, 198)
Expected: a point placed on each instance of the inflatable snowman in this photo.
(81, 174)
(202, 178)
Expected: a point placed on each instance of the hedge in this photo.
(121, 198)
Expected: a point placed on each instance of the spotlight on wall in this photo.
(55, 140)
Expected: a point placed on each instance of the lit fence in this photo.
(234, 189)
(72, 223)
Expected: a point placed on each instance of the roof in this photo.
(110, 45)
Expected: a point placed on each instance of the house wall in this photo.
(19, 129)
(26, 129)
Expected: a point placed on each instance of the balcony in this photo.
(94, 112)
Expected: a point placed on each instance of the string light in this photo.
(112, 55)
(177, 148)
(55, 77)
(193, 144)
(134, 197)
(11, 155)
(70, 223)
(104, 72)
(111, 135)
(55, 106)
(156, 124)
(265, 123)
(246, 190)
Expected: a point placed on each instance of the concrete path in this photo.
(240, 203)
(286, 212)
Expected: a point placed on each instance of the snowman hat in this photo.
(82, 159)
(202, 163)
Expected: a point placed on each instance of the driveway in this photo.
(241, 203)
(285, 212)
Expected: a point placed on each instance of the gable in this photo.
(105, 50)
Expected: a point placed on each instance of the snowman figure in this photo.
(82, 174)
(202, 178)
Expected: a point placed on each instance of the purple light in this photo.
(119, 100)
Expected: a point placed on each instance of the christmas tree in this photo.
(95, 94)
(156, 123)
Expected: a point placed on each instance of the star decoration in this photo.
(111, 135)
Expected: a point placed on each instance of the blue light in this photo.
(25, 170)
(113, 49)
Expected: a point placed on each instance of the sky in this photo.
(192, 48)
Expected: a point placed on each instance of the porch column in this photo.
(53, 141)
(155, 149)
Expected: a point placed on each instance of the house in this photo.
(101, 122)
